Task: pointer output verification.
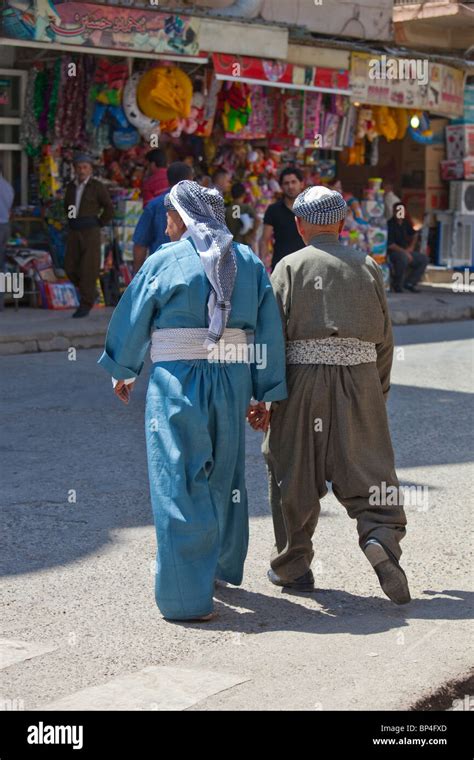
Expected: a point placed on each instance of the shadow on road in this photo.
(246, 612)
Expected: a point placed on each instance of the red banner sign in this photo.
(275, 73)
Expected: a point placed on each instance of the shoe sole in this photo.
(307, 587)
(392, 579)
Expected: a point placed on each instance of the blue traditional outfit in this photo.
(194, 305)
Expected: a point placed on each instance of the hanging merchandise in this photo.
(385, 124)
(236, 106)
(109, 82)
(311, 115)
(288, 114)
(210, 88)
(401, 117)
(146, 127)
(71, 119)
(30, 138)
(106, 95)
(49, 184)
(366, 125)
(165, 93)
(421, 134)
(374, 152)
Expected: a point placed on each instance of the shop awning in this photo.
(274, 73)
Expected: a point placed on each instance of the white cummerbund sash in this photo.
(183, 343)
(343, 351)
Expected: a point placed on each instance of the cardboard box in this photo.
(452, 169)
(460, 140)
(469, 167)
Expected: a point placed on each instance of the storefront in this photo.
(118, 81)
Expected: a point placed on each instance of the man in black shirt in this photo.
(279, 221)
(408, 265)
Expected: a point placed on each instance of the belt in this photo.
(342, 351)
(84, 223)
(187, 344)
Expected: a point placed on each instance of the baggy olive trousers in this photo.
(332, 427)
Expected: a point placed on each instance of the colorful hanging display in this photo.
(144, 124)
(30, 138)
(165, 93)
(236, 106)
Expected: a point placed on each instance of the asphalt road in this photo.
(78, 549)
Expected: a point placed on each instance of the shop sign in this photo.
(385, 81)
(275, 73)
(101, 26)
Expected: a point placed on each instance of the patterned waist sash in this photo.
(343, 351)
(176, 344)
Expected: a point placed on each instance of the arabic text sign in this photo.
(442, 94)
(91, 25)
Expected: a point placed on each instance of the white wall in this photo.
(368, 20)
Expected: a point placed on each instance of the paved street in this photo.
(81, 627)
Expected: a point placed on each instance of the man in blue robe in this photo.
(207, 306)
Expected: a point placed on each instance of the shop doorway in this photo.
(13, 159)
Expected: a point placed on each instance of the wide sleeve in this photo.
(385, 348)
(282, 289)
(128, 335)
(269, 368)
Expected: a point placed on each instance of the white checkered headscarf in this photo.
(203, 212)
(320, 205)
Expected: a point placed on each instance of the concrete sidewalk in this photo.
(30, 330)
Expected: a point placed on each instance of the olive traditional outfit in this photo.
(333, 426)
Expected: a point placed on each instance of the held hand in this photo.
(123, 391)
(259, 417)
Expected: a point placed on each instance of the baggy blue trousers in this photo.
(195, 433)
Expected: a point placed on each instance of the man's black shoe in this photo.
(304, 583)
(412, 288)
(392, 578)
(82, 311)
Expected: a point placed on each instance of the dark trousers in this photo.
(82, 263)
(4, 235)
(405, 272)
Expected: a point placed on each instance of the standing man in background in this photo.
(241, 218)
(6, 202)
(222, 181)
(279, 221)
(150, 232)
(155, 181)
(88, 207)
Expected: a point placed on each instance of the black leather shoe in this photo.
(412, 288)
(82, 311)
(392, 578)
(304, 583)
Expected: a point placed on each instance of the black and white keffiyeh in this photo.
(203, 212)
(320, 205)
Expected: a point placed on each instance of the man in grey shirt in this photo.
(6, 202)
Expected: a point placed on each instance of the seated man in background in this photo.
(408, 265)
